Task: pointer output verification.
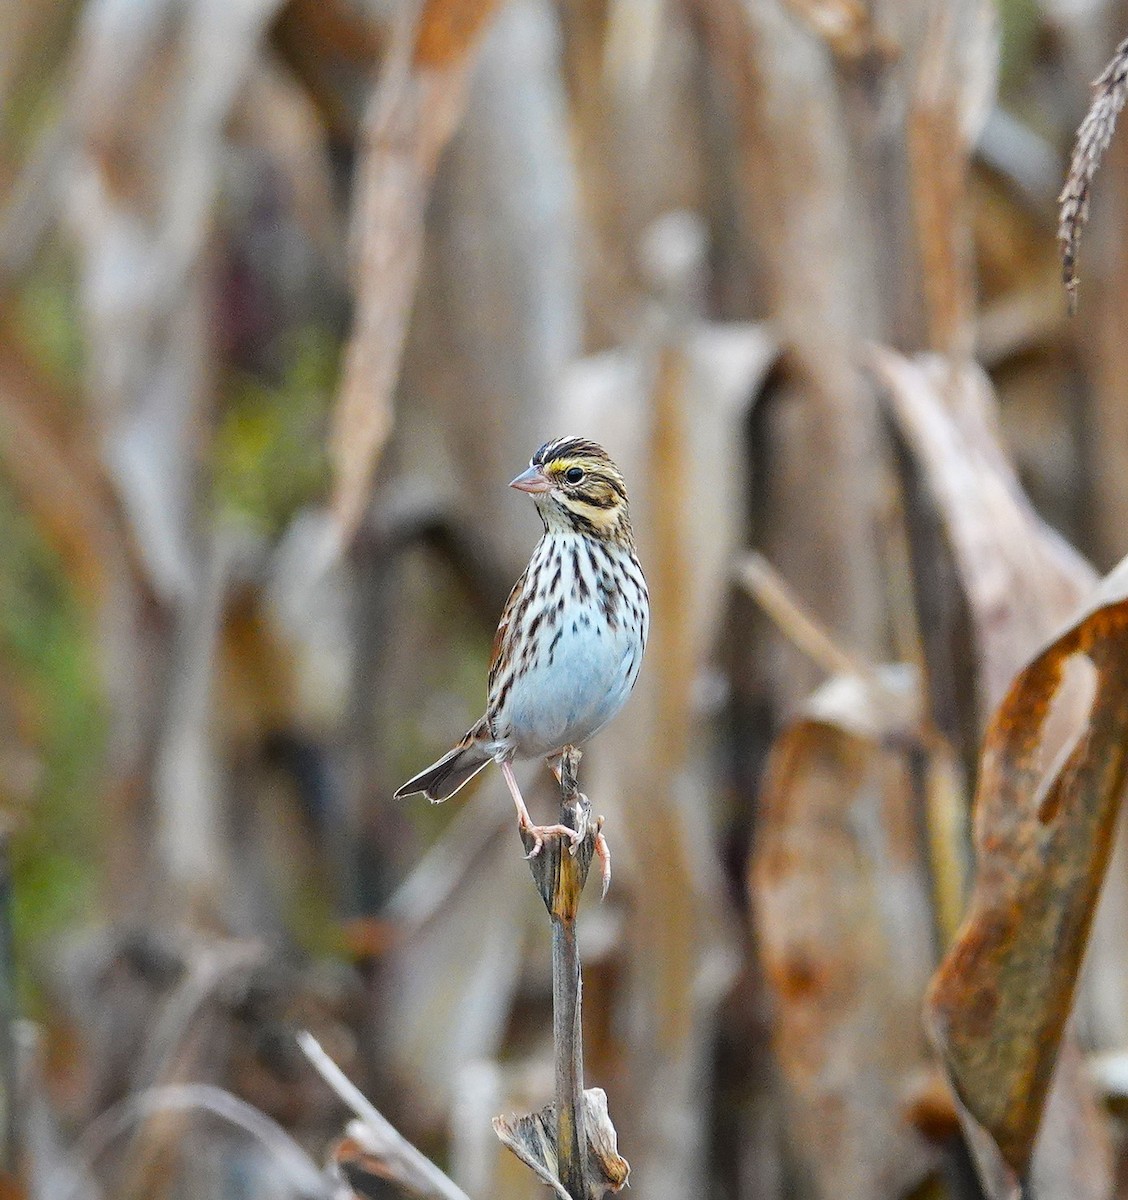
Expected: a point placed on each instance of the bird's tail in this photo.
(457, 767)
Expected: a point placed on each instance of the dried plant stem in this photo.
(767, 587)
(567, 985)
(376, 1135)
(560, 873)
(567, 1038)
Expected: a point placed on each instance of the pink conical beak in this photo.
(532, 480)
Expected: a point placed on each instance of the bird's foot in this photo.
(540, 832)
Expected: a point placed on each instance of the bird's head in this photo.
(576, 486)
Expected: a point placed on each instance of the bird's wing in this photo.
(513, 606)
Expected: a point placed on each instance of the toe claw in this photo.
(538, 841)
(603, 853)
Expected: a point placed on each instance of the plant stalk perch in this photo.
(584, 1162)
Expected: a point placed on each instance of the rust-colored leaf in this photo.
(998, 1004)
(1021, 582)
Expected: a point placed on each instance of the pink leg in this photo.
(538, 832)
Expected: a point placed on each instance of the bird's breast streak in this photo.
(580, 662)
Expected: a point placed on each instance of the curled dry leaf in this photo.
(840, 813)
(533, 1140)
(998, 1004)
(1021, 579)
(1110, 90)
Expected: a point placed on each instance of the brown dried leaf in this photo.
(1020, 577)
(839, 820)
(533, 1140)
(999, 1002)
(953, 93)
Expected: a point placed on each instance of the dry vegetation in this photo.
(288, 291)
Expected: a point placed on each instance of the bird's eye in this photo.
(574, 474)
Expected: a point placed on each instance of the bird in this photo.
(569, 645)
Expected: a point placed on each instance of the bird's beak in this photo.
(533, 481)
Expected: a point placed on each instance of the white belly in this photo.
(563, 702)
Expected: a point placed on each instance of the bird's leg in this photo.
(602, 850)
(537, 832)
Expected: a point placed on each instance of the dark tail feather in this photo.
(457, 767)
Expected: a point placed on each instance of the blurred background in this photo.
(289, 290)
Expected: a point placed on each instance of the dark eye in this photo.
(574, 474)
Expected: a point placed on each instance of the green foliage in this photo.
(45, 315)
(48, 658)
(269, 454)
(1019, 26)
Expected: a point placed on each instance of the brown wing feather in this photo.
(512, 604)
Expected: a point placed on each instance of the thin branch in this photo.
(392, 1155)
(1110, 90)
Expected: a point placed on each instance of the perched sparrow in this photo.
(569, 646)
